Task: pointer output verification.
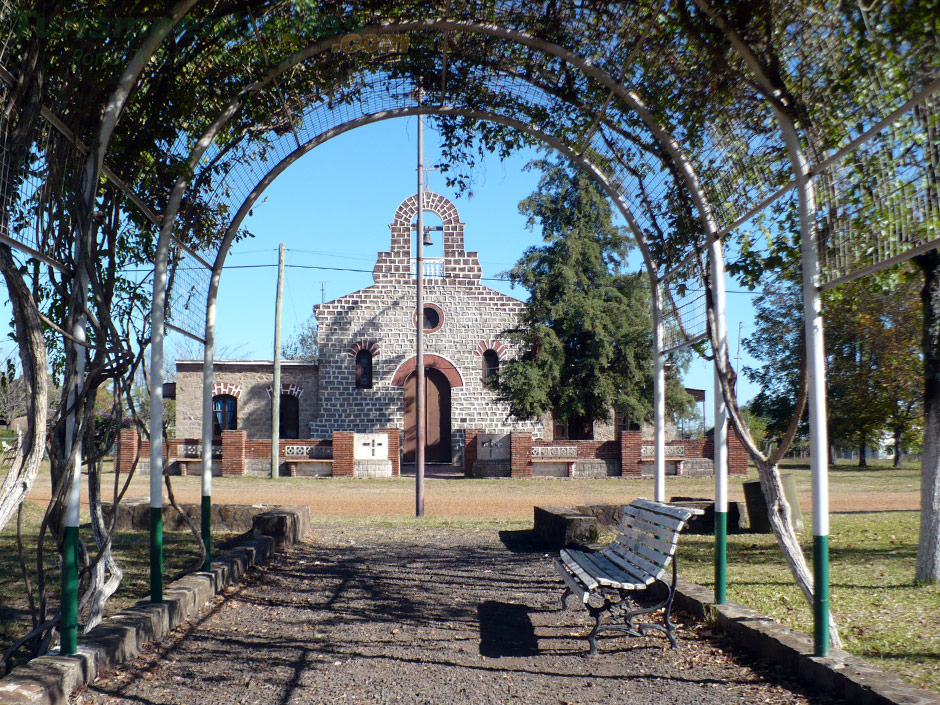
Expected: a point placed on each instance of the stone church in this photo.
(367, 344)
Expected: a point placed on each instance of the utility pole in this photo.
(276, 387)
(420, 406)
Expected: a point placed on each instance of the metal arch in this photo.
(631, 99)
(280, 167)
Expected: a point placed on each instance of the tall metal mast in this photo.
(420, 407)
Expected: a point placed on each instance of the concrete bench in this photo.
(608, 580)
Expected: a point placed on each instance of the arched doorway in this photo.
(437, 396)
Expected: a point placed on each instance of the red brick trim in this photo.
(229, 388)
(494, 345)
(371, 345)
(442, 364)
(291, 390)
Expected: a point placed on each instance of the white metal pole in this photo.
(659, 396)
(420, 407)
(720, 433)
(208, 375)
(156, 422)
(69, 609)
(816, 373)
(276, 386)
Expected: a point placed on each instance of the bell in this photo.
(427, 237)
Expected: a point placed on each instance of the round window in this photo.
(433, 318)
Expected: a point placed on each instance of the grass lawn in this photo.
(882, 616)
(132, 550)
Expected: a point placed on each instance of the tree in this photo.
(586, 334)
(302, 344)
(873, 352)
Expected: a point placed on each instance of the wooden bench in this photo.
(608, 580)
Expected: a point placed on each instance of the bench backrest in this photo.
(648, 535)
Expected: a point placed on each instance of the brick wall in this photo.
(343, 449)
(737, 454)
(520, 459)
(130, 446)
(233, 453)
(630, 454)
(470, 450)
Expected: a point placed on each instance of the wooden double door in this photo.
(437, 427)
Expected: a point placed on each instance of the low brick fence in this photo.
(519, 455)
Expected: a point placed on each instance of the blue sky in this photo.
(332, 209)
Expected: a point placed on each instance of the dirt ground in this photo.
(467, 498)
(418, 616)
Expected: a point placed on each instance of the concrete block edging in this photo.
(51, 679)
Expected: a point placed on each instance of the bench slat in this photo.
(654, 569)
(573, 585)
(653, 536)
(608, 573)
(656, 557)
(639, 577)
(645, 527)
(589, 582)
(683, 513)
(627, 574)
(654, 518)
(586, 560)
(655, 550)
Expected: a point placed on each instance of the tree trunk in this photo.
(897, 446)
(862, 453)
(928, 547)
(32, 350)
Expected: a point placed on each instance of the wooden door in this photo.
(437, 395)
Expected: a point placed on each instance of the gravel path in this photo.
(435, 616)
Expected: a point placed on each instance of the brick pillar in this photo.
(631, 443)
(394, 449)
(344, 464)
(737, 454)
(128, 447)
(233, 453)
(520, 458)
(470, 450)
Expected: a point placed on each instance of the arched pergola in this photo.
(692, 116)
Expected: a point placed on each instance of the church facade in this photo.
(366, 343)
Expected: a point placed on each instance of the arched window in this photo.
(224, 414)
(490, 364)
(364, 369)
(289, 424)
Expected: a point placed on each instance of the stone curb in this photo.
(839, 674)
(51, 679)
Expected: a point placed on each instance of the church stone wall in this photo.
(249, 381)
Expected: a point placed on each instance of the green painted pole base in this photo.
(69, 624)
(721, 558)
(156, 554)
(207, 530)
(821, 595)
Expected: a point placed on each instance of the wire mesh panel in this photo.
(684, 307)
(880, 204)
(187, 289)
